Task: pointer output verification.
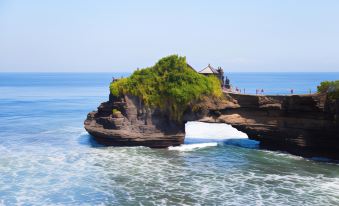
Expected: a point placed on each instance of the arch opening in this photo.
(201, 134)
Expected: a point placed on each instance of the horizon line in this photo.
(89, 72)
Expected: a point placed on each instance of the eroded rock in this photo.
(304, 125)
(134, 126)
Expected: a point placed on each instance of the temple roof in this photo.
(209, 70)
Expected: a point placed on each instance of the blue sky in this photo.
(99, 35)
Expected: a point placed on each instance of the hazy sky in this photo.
(99, 35)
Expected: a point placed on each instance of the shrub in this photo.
(170, 85)
(331, 88)
(115, 112)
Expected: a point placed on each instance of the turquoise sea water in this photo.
(47, 158)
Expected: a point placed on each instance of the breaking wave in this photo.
(200, 135)
(190, 147)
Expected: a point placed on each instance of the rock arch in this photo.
(300, 124)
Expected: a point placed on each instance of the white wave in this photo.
(331, 185)
(4, 149)
(83, 133)
(215, 131)
(200, 132)
(190, 147)
(56, 159)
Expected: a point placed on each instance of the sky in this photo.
(120, 36)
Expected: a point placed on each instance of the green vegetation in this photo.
(170, 85)
(115, 111)
(331, 88)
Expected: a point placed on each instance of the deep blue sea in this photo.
(47, 158)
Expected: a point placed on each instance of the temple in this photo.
(219, 73)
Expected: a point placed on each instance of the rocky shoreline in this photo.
(304, 125)
(134, 126)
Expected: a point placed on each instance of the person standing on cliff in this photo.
(292, 91)
(262, 91)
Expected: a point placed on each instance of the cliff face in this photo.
(300, 124)
(136, 126)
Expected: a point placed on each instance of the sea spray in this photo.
(223, 134)
(216, 131)
(190, 147)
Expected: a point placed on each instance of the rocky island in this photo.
(151, 107)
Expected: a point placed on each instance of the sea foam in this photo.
(216, 131)
(200, 135)
(190, 147)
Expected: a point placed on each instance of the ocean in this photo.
(47, 158)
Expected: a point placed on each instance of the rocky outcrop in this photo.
(138, 125)
(305, 125)
(135, 126)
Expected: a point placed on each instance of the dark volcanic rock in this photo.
(304, 125)
(135, 126)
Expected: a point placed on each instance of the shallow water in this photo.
(46, 157)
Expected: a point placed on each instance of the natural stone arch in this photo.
(300, 124)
